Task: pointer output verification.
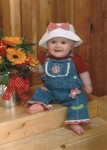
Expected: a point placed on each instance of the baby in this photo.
(64, 76)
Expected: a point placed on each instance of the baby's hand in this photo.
(37, 69)
(34, 69)
(88, 88)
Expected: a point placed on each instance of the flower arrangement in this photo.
(16, 59)
(16, 54)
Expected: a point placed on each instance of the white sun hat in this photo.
(65, 30)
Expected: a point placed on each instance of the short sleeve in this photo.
(79, 64)
(42, 58)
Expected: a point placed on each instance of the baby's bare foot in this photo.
(77, 129)
(34, 108)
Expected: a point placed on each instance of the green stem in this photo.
(5, 68)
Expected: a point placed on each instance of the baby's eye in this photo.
(63, 42)
(53, 42)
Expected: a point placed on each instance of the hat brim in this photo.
(59, 33)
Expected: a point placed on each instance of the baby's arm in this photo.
(85, 77)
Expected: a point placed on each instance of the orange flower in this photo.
(32, 59)
(16, 56)
(12, 41)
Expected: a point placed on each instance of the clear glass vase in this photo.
(8, 103)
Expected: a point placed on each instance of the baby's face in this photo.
(60, 47)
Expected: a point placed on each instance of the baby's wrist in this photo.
(88, 84)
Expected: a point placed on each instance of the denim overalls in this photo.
(60, 78)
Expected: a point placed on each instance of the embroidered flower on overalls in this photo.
(74, 93)
(56, 69)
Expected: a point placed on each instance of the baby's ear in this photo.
(73, 43)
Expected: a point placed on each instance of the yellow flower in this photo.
(32, 59)
(16, 56)
(13, 41)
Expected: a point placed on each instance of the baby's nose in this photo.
(58, 44)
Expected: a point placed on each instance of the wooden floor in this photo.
(46, 130)
(62, 138)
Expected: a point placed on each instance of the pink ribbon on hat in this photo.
(53, 26)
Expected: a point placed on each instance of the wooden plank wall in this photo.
(98, 51)
(30, 18)
(82, 26)
(104, 49)
(5, 16)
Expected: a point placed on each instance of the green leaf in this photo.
(77, 107)
(26, 46)
(2, 33)
(4, 79)
(29, 49)
(24, 41)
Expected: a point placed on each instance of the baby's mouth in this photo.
(57, 50)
